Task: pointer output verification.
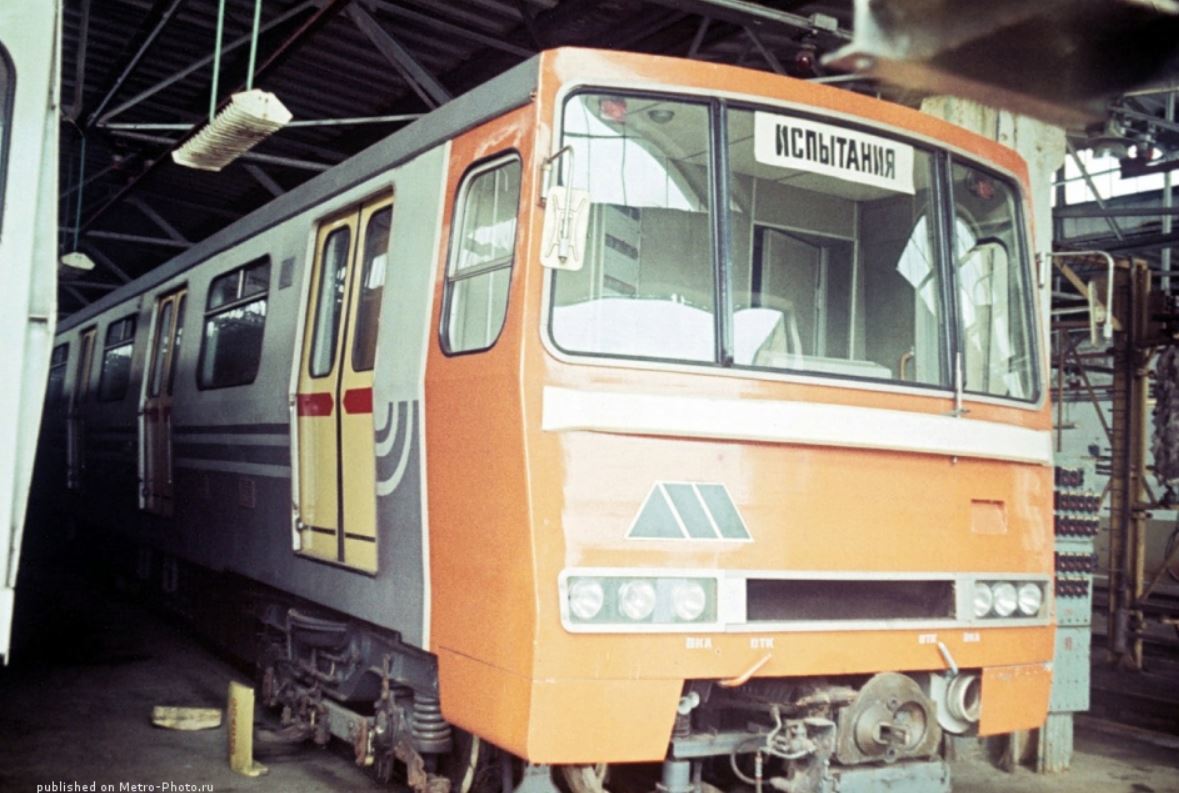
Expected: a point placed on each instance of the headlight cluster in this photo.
(602, 600)
(1007, 598)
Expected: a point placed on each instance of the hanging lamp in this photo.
(250, 117)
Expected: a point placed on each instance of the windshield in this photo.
(648, 287)
(828, 254)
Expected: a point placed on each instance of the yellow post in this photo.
(241, 731)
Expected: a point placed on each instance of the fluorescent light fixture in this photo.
(248, 119)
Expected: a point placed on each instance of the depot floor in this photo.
(89, 663)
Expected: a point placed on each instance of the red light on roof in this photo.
(613, 109)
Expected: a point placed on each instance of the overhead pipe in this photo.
(217, 58)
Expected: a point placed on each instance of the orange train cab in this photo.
(767, 446)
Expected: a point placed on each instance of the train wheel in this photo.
(584, 778)
(471, 765)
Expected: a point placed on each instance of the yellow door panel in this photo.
(334, 421)
(357, 445)
(361, 554)
(318, 508)
(316, 405)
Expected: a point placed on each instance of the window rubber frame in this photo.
(1029, 292)
(458, 214)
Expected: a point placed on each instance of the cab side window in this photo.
(481, 256)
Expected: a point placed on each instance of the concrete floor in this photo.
(88, 665)
(1109, 757)
(75, 704)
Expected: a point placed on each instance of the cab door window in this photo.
(993, 296)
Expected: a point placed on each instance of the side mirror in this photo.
(566, 228)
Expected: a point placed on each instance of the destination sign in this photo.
(813, 146)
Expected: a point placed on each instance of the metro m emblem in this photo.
(688, 511)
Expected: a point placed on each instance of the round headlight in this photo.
(1005, 598)
(636, 600)
(1030, 598)
(689, 600)
(586, 598)
(983, 600)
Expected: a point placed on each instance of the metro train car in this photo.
(30, 60)
(627, 421)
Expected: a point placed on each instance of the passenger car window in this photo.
(481, 256)
(116, 359)
(235, 316)
(57, 372)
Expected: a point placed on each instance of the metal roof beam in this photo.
(105, 261)
(1158, 121)
(203, 62)
(171, 200)
(325, 11)
(139, 238)
(530, 24)
(74, 293)
(309, 122)
(286, 162)
(1113, 224)
(157, 218)
(164, 19)
(644, 31)
(1115, 212)
(459, 31)
(698, 39)
(768, 56)
(424, 84)
(751, 15)
(289, 162)
(75, 108)
(1139, 242)
(95, 177)
(264, 179)
(105, 287)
